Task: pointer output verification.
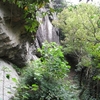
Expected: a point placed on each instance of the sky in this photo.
(96, 2)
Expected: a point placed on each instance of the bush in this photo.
(43, 79)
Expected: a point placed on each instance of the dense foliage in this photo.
(44, 79)
(80, 26)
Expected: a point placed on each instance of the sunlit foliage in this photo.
(80, 27)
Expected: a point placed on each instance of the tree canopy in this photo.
(80, 27)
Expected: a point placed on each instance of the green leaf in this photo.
(26, 87)
(14, 80)
(35, 87)
(52, 10)
(9, 92)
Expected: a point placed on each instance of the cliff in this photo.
(17, 46)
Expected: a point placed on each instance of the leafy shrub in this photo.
(44, 78)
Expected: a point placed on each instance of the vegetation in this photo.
(29, 9)
(44, 79)
(80, 26)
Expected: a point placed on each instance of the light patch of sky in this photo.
(96, 2)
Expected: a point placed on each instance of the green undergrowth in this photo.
(44, 79)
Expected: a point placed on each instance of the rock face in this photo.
(46, 30)
(8, 80)
(17, 46)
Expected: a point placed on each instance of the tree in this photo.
(80, 26)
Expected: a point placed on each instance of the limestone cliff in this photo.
(17, 46)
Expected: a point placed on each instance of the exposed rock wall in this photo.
(17, 46)
(46, 30)
(8, 80)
